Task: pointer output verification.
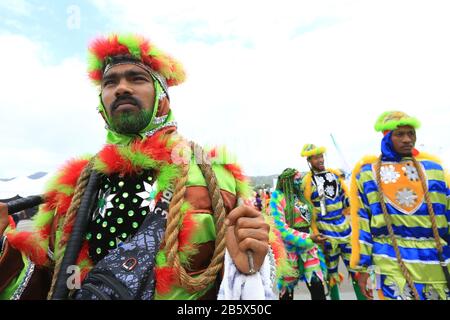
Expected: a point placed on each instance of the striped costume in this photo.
(333, 224)
(411, 222)
(303, 254)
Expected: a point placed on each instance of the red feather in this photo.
(144, 46)
(84, 257)
(45, 231)
(111, 157)
(63, 203)
(236, 171)
(72, 171)
(96, 75)
(28, 244)
(213, 153)
(165, 278)
(187, 230)
(51, 201)
(155, 147)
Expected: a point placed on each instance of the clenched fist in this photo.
(247, 230)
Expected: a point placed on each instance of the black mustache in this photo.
(126, 99)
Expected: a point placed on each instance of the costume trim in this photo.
(354, 208)
(23, 284)
(102, 49)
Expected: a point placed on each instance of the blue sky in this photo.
(63, 27)
(264, 77)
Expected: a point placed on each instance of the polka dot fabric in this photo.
(122, 205)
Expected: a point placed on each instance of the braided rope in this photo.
(173, 218)
(203, 280)
(387, 219)
(429, 206)
(69, 218)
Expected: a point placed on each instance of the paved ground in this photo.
(346, 289)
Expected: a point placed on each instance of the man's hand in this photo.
(247, 230)
(318, 238)
(4, 219)
(362, 282)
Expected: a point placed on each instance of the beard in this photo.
(131, 122)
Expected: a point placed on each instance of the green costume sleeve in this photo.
(12, 288)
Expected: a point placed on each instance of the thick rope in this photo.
(387, 219)
(69, 218)
(434, 227)
(173, 218)
(203, 280)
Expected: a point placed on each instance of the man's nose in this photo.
(407, 139)
(123, 87)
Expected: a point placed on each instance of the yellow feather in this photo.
(354, 208)
(427, 156)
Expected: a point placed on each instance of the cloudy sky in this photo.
(264, 77)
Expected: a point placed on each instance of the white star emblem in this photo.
(148, 195)
(107, 204)
(406, 197)
(389, 174)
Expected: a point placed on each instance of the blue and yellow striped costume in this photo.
(334, 224)
(371, 244)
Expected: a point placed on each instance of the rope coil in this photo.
(69, 219)
(203, 280)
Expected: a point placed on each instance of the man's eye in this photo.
(107, 82)
(140, 78)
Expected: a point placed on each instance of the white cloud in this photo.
(48, 111)
(267, 77)
(263, 78)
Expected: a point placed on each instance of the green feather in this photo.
(94, 63)
(132, 43)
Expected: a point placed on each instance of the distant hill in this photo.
(258, 182)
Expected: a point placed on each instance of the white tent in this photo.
(22, 186)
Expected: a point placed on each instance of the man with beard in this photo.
(400, 216)
(134, 245)
(326, 193)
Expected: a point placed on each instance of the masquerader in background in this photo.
(326, 192)
(400, 216)
(292, 220)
